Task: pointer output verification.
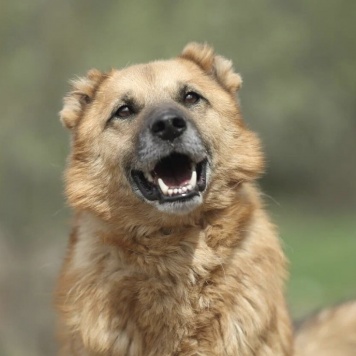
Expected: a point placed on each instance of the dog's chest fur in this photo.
(189, 297)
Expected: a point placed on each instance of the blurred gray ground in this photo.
(298, 62)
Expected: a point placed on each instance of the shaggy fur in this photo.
(332, 332)
(141, 282)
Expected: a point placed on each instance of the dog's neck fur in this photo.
(189, 261)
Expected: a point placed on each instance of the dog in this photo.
(171, 250)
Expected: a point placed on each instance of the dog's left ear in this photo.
(217, 66)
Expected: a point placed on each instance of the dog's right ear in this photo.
(81, 94)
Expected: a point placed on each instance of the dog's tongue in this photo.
(174, 172)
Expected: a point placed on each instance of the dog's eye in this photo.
(191, 98)
(123, 112)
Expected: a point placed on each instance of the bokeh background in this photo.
(298, 61)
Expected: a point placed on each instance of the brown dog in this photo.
(171, 252)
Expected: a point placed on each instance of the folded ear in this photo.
(217, 66)
(81, 94)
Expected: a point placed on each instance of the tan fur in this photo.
(332, 332)
(82, 93)
(217, 66)
(140, 282)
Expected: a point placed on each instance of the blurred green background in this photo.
(298, 62)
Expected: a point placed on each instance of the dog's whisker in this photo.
(271, 198)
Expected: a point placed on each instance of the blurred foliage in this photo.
(298, 64)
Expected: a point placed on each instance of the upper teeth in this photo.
(163, 187)
(193, 179)
(149, 177)
(178, 190)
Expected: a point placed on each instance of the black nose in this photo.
(168, 126)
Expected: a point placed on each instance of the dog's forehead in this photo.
(158, 76)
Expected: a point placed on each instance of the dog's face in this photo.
(163, 137)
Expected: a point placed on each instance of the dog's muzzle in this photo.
(172, 162)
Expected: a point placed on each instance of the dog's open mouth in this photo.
(174, 178)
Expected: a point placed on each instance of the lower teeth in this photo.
(177, 191)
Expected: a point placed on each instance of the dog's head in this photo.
(165, 137)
